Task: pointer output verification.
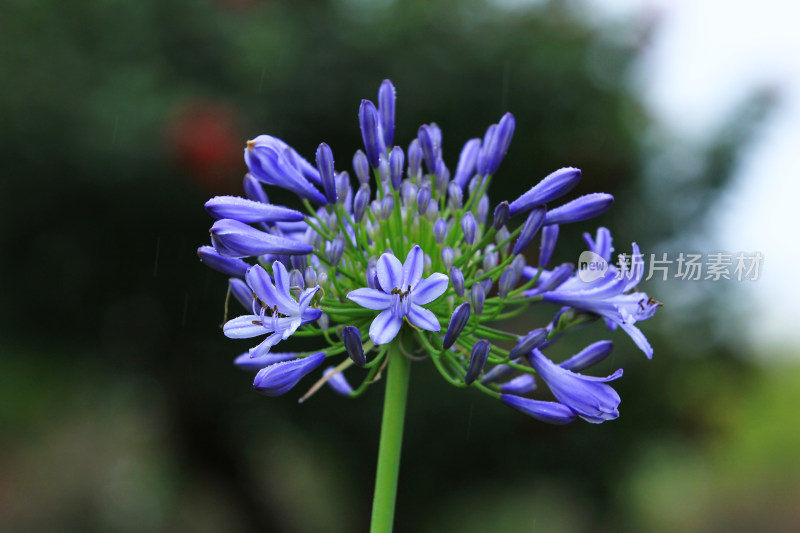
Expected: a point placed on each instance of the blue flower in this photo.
(279, 378)
(280, 314)
(610, 298)
(402, 293)
(589, 397)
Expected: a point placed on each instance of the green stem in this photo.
(394, 409)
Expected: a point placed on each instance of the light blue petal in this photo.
(422, 318)
(390, 272)
(385, 327)
(429, 289)
(412, 268)
(243, 327)
(371, 298)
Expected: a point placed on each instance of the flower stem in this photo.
(394, 409)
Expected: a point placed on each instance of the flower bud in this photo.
(361, 166)
(242, 293)
(326, 172)
(477, 295)
(427, 263)
(387, 206)
(220, 263)
(408, 192)
(487, 149)
(296, 279)
(589, 356)
(468, 226)
(360, 203)
(466, 162)
(458, 320)
(532, 340)
(529, 230)
(501, 215)
(396, 160)
(352, 343)
(423, 199)
(244, 210)
(236, 239)
(549, 238)
(554, 186)
(448, 256)
(455, 197)
(372, 277)
(310, 276)
(431, 151)
(482, 210)
(490, 258)
(322, 279)
(440, 230)
(370, 132)
(254, 190)
(500, 237)
(442, 175)
(324, 320)
(335, 251)
(279, 378)
(433, 211)
(342, 186)
(457, 279)
(477, 360)
(497, 373)
(507, 281)
(585, 207)
(414, 159)
(386, 103)
(383, 171)
(500, 142)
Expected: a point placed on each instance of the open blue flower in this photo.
(589, 397)
(279, 315)
(401, 293)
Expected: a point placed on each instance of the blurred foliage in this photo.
(120, 408)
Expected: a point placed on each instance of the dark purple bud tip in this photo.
(583, 208)
(552, 187)
(549, 412)
(326, 172)
(457, 322)
(501, 215)
(279, 378)
(531, 227)
(352, 343)
(477, 360)
(532, 340)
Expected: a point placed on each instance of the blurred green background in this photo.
(120, 409)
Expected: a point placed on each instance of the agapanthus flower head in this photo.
(410, 260)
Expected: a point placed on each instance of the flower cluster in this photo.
(409, 260)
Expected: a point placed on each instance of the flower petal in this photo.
(422, 318)
(429, 289)
(385, 327)
(245, 327)
(390, 272)
(277, 379)
(266, 345)
(412, 268)
(306, 296)
(371, 298)
(281, 279)
(245, 362)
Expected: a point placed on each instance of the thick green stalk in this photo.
(394, 410)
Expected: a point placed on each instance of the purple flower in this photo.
(245, 210)
(532, 225)
(273, 162)
(554, 186)
(548, 244)
(326, 171)
(477, 360)
(371, 132)
(280, 314)
(279, 378)
(520, 385)
(402, 293)
(458, 320)
(386, 103)
(352, 342)
(589, 397)
(245, 362)
(608, 297)
(236, 239)
(466, 162)
(582, 208)
(221, 263)
(549, 412)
